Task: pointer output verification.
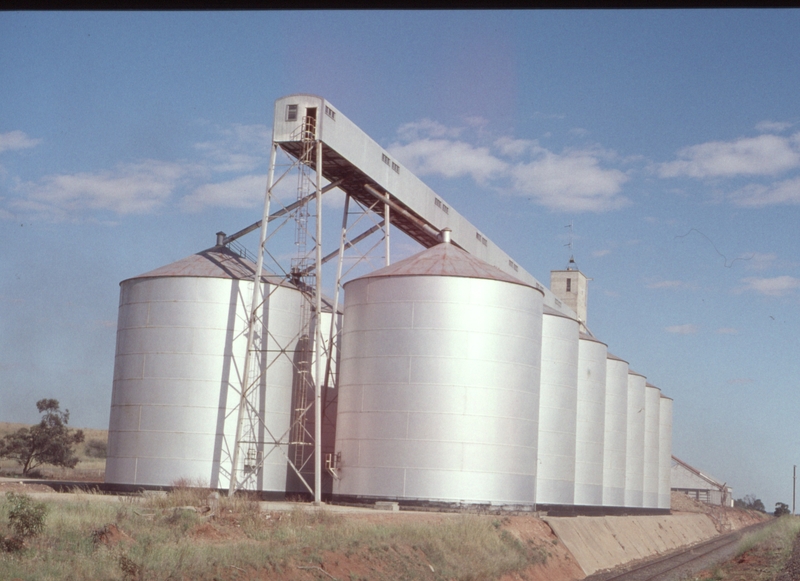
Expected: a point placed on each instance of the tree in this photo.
(750, 502)
(48, 442)
(781, 508)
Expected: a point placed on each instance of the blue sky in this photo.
(669, 139)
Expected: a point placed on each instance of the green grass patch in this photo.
(779, 534)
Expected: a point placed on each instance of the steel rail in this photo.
(641, 572)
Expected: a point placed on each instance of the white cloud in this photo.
(146, 186)
(425, 128)
(449, 158)
(572, 182)
(243, 192)
(727, 331)
(248, 192)
(135, 188)
(477, 121)
(667, 284)
(786, 192)
(16, 140)
(761, 261)
(773, 287)
(599, 253)
(773, 126)
(762, 155)
(687, 329)
(511, 147)
(241, 148)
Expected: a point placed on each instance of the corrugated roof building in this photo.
(698, 485)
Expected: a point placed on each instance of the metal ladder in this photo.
(303, 276)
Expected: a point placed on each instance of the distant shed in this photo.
(698, 485)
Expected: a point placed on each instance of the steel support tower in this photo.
(329, 151)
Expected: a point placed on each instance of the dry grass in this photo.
(761, 555)
(169, 540)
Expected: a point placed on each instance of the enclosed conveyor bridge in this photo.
(368, 173)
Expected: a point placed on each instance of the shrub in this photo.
(96, 448)
(25, 516)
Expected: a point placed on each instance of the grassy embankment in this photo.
(761, 555)
(90, 467)
(165, 540)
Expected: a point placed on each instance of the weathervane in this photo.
(571, 265)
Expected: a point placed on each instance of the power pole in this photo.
(794, 486)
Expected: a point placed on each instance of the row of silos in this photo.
(457, 385)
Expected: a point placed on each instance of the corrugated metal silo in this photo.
(616, 431)
(180, 347)
(439, 383)
(634, 455)
(664, 452)
(651, 458)
(590, 425)
(558, 409)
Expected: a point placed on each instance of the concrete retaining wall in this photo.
(605, 542)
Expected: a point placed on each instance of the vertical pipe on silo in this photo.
(634, 455)
(616, 431)
(590, 424)
(651, 458)
(558, 408)
(664, 452)
(320, 364)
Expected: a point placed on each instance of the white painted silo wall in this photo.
(180, 348)
(558, 409)
(590, 424)
(651, 458)
(664, 452)
(439, 390)
(634, 455)
(616, 432)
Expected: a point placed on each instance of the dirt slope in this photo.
(725, 519)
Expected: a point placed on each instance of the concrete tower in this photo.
(571, 286)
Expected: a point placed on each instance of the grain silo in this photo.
(651, 437)
(634, 455)
(439, 383)
(558, 409)
(664, 452)
(180, 348)
(616, 431)
(590, 424)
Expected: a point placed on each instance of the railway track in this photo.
(678, 565)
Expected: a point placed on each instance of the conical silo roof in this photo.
(215, 262)
(616, 358)
(444, 259)
(548, 310)
(588, 337)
